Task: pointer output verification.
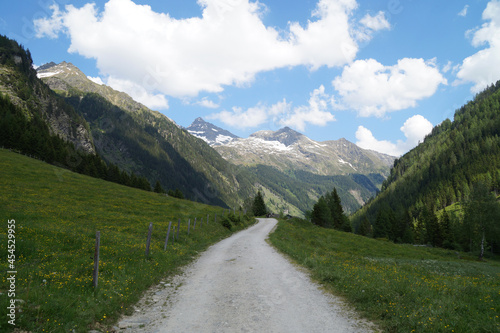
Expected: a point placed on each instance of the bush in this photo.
(234, 218)
(226, 223)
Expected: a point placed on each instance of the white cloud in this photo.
(366, 140)
(373, 89)
(228, 45)
(375, 23)
(463, 12)
(50, 27)
(483, 68)
(206, 103)
(415, 129)
(97, 79)
(447, 67)
(369, 25)
(282, 113)
(138, 93)
(315, 113)
(240, 118)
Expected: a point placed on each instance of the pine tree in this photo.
(178, 194)
(381, 228)
(259, 207)
(337, 212)
(365, 229)
(482, 213)
(321, 214)
(445, 223)
(158, 188)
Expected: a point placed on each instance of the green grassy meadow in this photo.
(402, 288)
(57, 214)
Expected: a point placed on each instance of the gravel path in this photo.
(242, 284)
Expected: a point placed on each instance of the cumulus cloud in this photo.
(207, 103)
(139, 93)
(415, 129)
(240, 118)
(483, 68)
(50, 27)
(375, 23)
(97, 79)
(373, 89)
(228, 45)
(315, 113)
(369, 24)
(282, 113)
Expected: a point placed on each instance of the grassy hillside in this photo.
(402, 288)
(57, 214)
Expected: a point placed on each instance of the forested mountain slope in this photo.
(442, 170)
(138, 139)
(36, 122)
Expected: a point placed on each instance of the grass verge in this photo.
(57, 214)
(401, 287)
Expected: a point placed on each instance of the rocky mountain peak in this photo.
(62, 69)
(210, 133)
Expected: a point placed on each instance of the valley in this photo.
(416, 247)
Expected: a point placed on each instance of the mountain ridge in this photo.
(210, 133)
(287, 149)
(147, 142)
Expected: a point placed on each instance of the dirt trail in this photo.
(242, 284)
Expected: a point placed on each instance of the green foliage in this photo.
(365, 229)
(328, 213)
(482, 216)
(158, 188)
(226, 223)
(57, 214)
(259, 207)
(321, 214)
(402, 288)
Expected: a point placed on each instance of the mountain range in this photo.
(205, 162)
(307, 167)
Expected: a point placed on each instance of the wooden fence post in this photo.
(189, 225)
(150, 231)
(168, 235)
(201, 222)
(194, 225)
(178, 228)
(208, 216)
(215, 221)
(95, 275)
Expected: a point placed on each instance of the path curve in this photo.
(242, 284)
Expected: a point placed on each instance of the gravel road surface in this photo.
(242, 284)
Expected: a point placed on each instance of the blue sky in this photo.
(378, 73)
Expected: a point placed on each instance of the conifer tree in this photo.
(158, 188)
(365, 229)
(259, 206)
(321, 214)
(338, 218)
(482, 214)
